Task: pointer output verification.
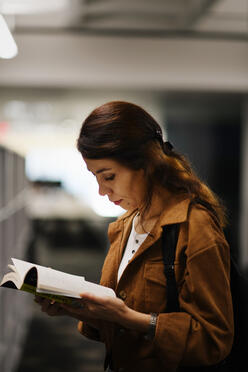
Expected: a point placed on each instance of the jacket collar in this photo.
(119, 230)
(176, 213)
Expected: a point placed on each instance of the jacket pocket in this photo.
(156, 287)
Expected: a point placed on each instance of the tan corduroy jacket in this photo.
(202, 332)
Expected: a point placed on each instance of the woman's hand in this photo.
(94, 307)
(109, 309)
(53, 308)
(88, 308)
(50, 307)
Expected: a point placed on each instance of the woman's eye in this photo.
(110, 178)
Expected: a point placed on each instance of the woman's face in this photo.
(123, 186)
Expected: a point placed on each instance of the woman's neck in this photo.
(161, 200)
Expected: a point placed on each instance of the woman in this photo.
(122, 146)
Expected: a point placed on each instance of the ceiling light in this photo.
(8, 47)
(31, 6)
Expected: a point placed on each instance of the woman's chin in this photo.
(127, 206)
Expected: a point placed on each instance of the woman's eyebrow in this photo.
(102, 170)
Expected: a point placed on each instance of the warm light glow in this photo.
(31, 6)
(8, 47)
(67, 165)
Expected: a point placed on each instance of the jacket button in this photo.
(123, 295)
(122, 331)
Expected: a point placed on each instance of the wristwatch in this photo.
(152, 327)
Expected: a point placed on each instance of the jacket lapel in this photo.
(177, 213)
(126, 229)
(119, 231)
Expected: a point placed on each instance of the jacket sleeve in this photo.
(88, 331)
(202, 333)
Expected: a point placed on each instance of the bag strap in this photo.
(169, 243)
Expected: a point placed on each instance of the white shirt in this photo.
(134, 242)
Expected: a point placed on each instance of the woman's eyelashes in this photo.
(109, 178)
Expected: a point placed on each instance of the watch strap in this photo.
(152, 327)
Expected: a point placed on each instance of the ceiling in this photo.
(158, 18)
(74, 57)
(126, 44)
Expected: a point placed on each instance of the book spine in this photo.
(61, 299)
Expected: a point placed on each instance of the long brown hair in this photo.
(126, 133)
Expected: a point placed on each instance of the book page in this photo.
(12, 267)
(81, 287)
(22, 267)
(49, 278)
(97, 289)
(11, 277)
(52, 296)
(58, 281)
(58, 293)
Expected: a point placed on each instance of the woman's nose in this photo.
(103, 190)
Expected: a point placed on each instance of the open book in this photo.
(50, 283)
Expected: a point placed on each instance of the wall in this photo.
(14, 307)
(207, 129)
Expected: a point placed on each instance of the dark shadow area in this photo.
(207, 130)
(53, 344)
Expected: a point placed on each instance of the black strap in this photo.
(169, 243)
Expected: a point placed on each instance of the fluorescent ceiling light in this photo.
(8, 47)
(31, 6)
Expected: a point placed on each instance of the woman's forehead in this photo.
(97, 166)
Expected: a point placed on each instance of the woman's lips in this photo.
(117, 202)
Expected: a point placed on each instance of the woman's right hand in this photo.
(51, 307)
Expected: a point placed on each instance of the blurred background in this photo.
(184, 61)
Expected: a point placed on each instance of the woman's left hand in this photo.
(94, 307)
